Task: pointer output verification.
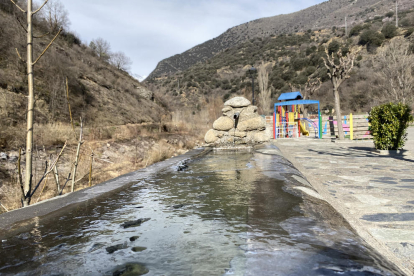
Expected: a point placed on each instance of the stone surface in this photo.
(260, 137)
(238, 102)
(210, 136)
(374, 193)
(257, 123)
(228, 111)
(112, 249)
(226, 131)
(134, 223)
(248, 113)
(223, 123)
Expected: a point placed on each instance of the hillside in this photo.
(99, 92)
(321, 16)
(290, 59)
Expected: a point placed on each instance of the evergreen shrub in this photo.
(389, 30)
(389, 123)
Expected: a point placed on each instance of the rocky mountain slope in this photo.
(321, 16)
(98, 92)
(290, 60)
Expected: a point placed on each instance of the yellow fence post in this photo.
(351, 127)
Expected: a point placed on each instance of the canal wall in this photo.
(23, 217)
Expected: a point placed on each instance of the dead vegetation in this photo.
(117, 150)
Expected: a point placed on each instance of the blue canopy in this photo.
(290, 96)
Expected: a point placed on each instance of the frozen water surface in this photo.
(222, 214)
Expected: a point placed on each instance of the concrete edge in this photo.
(15, 218)
(353, 221)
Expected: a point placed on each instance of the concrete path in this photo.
(374, 193)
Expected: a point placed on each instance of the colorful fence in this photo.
(355, 127)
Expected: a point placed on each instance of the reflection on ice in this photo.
(222, 214)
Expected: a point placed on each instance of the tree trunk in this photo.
(29, 139)
(75, 165)
(338, 114)
(305, 112)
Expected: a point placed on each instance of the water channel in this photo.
(223, 214)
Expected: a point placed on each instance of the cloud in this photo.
(149, 31)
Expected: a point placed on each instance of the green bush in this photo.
(334, 47)
(389, 14)
(389, 123)
(389, 30)
(406, 22)
(356, 30)
(370, 37)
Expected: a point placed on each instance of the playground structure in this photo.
(287, 121)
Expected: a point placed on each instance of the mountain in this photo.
(325, 15)
(98, 92)
(290, 59)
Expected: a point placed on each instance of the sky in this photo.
(149, 31)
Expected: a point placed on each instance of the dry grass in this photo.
(118, 150)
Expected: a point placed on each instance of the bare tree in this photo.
(339, 67)
(265, 91)
(27, 185)
(55, 15)
(120, 61)
(395, 67)
(101, 48)
(311, 86)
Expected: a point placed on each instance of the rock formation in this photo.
(240, 124)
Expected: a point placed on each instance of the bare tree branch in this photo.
(24, 28)
(49, 169)
(19, 175)
(44, 51)
(18, 54)
(41, 192)
(90, 170)
(18, 6)
(4, 207)
(75, 165)
(67, 180)
(36, 11)
(43, 35)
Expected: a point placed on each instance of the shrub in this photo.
(389, 30)
(356, 30)
(370, 37)
(333, 47)
(405, 22)
(389, 14)
(226, 97)
(389, 123)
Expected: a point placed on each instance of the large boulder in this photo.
(248, 113)
(238, 102)
(228, 111)
(257, 123)
(211, 136)
(223, 123)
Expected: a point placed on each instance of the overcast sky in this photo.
(150, 30)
